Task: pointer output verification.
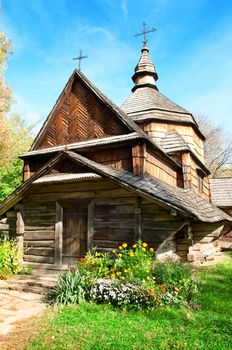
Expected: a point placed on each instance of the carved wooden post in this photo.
(20, 234)
(58, 235)
(138, 220)
(90, 225)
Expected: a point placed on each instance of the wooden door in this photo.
(74, 232)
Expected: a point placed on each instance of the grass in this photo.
(91, 326)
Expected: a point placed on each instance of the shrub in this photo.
(177, 277)
(9, 259)
(69, 289)
(129, 277)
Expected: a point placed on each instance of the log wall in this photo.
(118, 216)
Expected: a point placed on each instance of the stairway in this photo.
(39, 281)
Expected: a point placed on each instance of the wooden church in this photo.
(98, 175)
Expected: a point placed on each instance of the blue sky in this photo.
(191, 49)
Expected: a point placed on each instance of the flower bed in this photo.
(128, 277)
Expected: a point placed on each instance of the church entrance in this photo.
(75, 226)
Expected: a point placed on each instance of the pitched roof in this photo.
(146, 98)
(221, 192)
(119, 114)
(83, 145)
(185, 201)
(173, 142)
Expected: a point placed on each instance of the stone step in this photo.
(25, 288)
(34, 283)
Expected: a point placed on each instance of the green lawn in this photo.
(90, 326)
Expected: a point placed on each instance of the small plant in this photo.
(118, 294)
(177, 277)
(9, 259)
(129, 277)
(69, 289)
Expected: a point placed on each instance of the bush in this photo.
(129, 277)
(177, 277)
(9, 259)
(120, 294)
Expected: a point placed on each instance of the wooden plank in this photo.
(58, 234)
(31, 244)
(38, 235)
(40, 251)
(90, 225)
(39, 259)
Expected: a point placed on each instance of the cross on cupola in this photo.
(79, 58)
(145, 74)
(144, 32)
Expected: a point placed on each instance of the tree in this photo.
(218, 148)
(15, 137)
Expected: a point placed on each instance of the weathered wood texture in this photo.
(116, 216)
(80, 116)
(119, 158)
(157, 130)
(39, 231)
(191, 176)
(158, 168)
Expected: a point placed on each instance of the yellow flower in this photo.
(120, 247)
(118, 273)
(134, 246)
(114, 251)
(131, 254)
(120, 255)
(124, 245)
(151, 250)
(113, 275)
(144, 244)
(143, 249)
(125, 270)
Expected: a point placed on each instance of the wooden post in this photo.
(20, 233)
(58, 235)
(139, 159)
(138, 220)
(90, 225)
(186, 166)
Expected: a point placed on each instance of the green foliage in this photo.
(69, 288)
(89, 326)
(176, 276)
(128, 277)
(9, 255)
(10, 178)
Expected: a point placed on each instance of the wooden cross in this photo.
(79, 58)
(144, 32)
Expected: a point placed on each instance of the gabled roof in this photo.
(221, 192)
(185, 201)
(173, 142)
(119, 114)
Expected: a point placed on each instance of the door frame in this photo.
(58, 239)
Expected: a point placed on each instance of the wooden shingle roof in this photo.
(173, 142)
(221, 192)
(146, 98)
(185, 201)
